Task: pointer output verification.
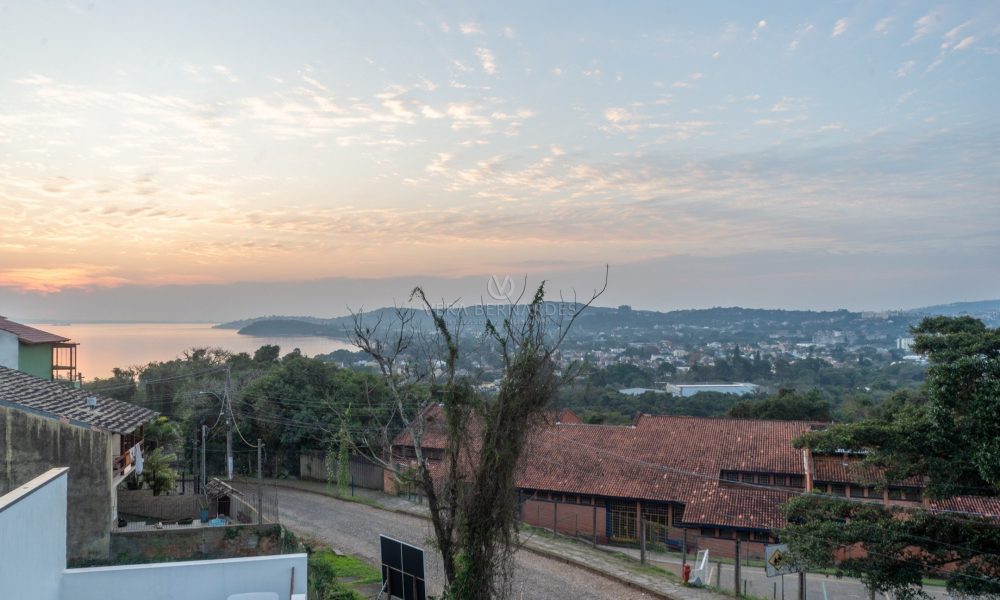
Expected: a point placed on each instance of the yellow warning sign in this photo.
(778, 560)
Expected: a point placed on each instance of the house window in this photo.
(764, 479)
(730, 475)
(857, 491)
(896, 493)
(838, 489)
(657, 518)
(796, 481)
(678, 514)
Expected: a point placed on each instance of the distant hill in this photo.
(290, 327)
(988, 310)
(743, 324)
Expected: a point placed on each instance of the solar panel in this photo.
(402, 570)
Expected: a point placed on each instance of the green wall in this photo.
(35, 359)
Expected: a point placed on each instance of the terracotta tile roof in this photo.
(986, 506)
(659, 458)
(671, 459)
(30, 335)
(59, 400)
(680, 459)
(851, 469)
(726, 505)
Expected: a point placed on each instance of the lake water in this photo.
(105, 346)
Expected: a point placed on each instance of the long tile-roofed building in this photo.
(721, 478)
(61, 401)
(677, 460)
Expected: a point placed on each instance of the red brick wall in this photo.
(572, 519)
(724, 548)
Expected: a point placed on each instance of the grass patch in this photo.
(335, 576)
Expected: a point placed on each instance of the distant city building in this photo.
(639, 391)
(904, 343)
(690, 389)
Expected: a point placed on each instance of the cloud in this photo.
(470, 28)
(787, 103)
(226, 73)
(882, 26)
(508, 32)
(953, 37)
(487, 60)
(839, 27)
(55, 279)
(439, 165)
(904, 98)
(33, 79)
(761, 25)
(964, 43)
(618, 115)
(924, 25)
(905, 69)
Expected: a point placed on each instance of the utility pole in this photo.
(194, 462)
(204, 434)
(229, 425)
(260, 495)
(736, 564)
(642, 540)
(684, 549)
(802, 585)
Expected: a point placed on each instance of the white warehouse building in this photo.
(690, 389)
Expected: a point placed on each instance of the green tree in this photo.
(158, 473)
(950, 437)
(787, 405)
(472, 498)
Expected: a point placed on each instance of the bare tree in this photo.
(471, 488)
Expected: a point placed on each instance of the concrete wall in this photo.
(200, 580)
(8, 350)
(36, 359)
(33, 538)
(366, 474)
(143, 503)
(31, 444)
(197, 543)
(33, 560)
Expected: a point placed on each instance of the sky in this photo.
(158, 160)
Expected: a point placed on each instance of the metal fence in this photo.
(253, 502)
(363, 471)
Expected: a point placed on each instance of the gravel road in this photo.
(352, 528)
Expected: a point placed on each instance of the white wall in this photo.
(8, 350)
(33, 538)
(195, 580)
(33, 560)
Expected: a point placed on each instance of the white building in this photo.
(33, 561)
(690, 389)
